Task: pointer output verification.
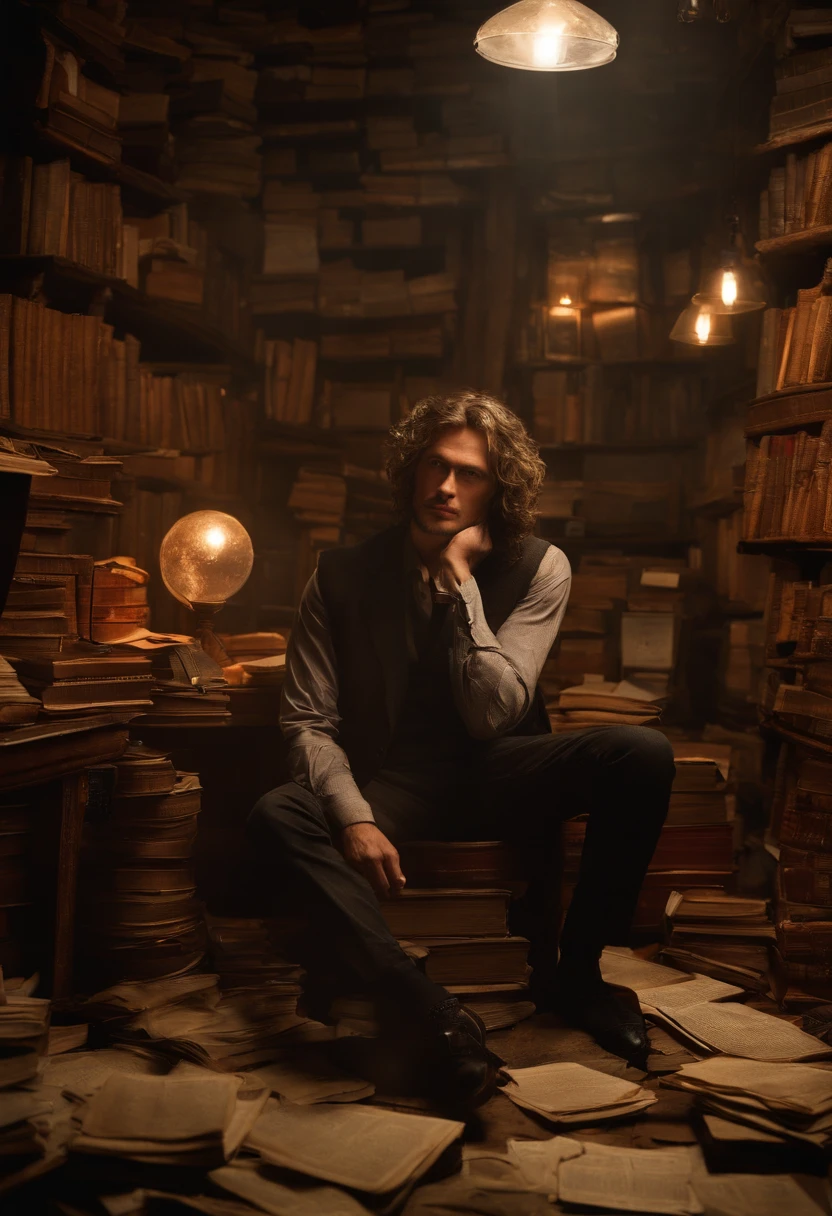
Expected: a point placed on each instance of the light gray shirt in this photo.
(493, 675)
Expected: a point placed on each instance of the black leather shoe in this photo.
(611, 1015)
(461, 1071)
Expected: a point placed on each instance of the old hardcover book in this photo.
(464, 912)
(471, 960)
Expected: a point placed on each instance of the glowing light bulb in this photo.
(215, 537)
(566, 301)
(729, 288)
(547, 50)
(703, 327)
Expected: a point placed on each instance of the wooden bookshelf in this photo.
(777, 546)
(807, 240)
(167, 330)
(144, 188)
(790, 139)
(792, 407)
(636, 446)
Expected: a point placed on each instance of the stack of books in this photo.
(727, 937)
(795, 343)
(176, 700)
(115, 604)
(83, 678)
(695, 849)
(464, 927)
(799, 194)
(803, 99)
(318, 497)
(137, 891)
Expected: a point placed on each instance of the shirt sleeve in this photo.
(494, 675)
(309, 716)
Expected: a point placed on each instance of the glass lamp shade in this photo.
(697, 325)
(547, 36)
(733, 288)
(205, 558)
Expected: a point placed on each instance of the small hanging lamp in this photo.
(735, 286)
(698, 325)
(547, 36)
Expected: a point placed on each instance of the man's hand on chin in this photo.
(465, 552)
(368, 850)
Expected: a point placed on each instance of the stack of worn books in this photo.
(603, 703)
(727, 937)
(114, 605)
(138, 909)
(81, 679)
(759, 1116)
(243, 954)
(460, 932)
(184, 693)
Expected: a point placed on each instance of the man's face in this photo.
(454, 483)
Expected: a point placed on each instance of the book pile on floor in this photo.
(695, 848)
(138, 909)
(728, 937)
(602, 702)
(464, 931)
(759, 1115)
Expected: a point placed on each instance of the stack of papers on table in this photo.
(572, 1093)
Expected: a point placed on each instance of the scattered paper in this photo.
(310, 1077)
(619, 965)
(363, 1148)
(762, 1195)
(566, 1092)
(275, 1197)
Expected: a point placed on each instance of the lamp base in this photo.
(204, 632)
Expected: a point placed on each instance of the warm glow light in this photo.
(729, 288)
(215, 537)
(703, 326)
(566, 301)
(548, 48)
(547, 36)
(205, 558)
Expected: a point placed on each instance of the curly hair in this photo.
(513, 456)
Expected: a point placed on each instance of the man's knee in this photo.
(277, 817)
(640, 754)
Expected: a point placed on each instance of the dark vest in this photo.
(367, 597)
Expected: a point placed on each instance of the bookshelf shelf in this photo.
(797, 736)
(790, 139)
(142, 187)
(166, 330)
(791, 407)
(777, 545)
(648, 445)
(805, 241)
(716, 505)
(543, 365)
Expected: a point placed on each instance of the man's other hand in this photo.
(368, 850)
(465, 552)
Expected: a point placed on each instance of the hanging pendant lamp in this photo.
(733, 287)
(698, 325)
(547, 36)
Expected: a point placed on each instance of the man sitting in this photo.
(411, 711)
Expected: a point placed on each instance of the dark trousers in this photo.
(515, 788)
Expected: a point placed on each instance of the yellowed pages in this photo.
(161, 1109)
(360, 1147)
(281, 1200)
